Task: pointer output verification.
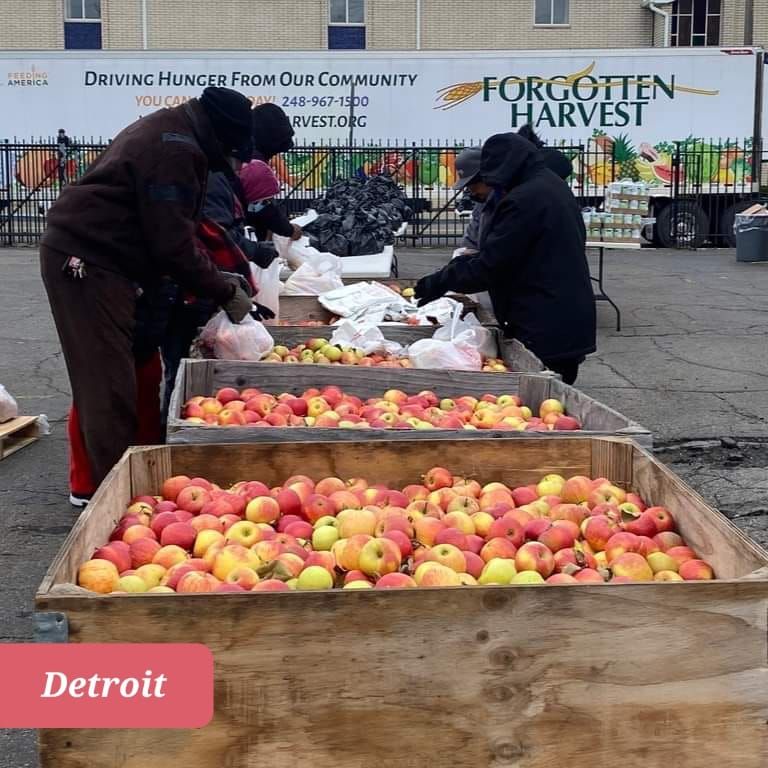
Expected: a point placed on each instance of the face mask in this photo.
(256, 207)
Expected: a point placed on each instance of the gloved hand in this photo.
(238, 281)
(260, 312)
(238, 306)
(298, 232)
(239, 303)
(429, 288)
(264, 253)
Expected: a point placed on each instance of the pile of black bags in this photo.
(358, 216)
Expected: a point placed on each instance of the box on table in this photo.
(516, 355)
(490, 676)
(206, 377)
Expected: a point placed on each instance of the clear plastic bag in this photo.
(320, 272)
(8, 407)
(368, 338)
(248, 340)
(268, 282)
(468, 330)
(451, 355)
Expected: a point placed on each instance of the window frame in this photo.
(347, 23)
(688, 16)
(80, 20)
(552, 24)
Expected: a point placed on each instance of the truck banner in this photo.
(645, 95)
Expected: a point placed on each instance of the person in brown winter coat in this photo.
(127, 223)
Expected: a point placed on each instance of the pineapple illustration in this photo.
(625, 157)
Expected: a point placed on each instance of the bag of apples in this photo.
(247, 340)
(8, 408)
(457, 354)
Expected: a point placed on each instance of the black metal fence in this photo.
(699, 184)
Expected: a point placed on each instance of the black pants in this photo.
(94, 318)
(568, 368)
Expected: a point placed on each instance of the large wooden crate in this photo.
(515, 354)
(469, 677)
(205, 377)
(298, 309)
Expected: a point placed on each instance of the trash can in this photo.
(751, 237)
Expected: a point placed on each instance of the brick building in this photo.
(375, 24)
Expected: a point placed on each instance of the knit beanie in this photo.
(259, 181)
(230, 116)
(272, 131)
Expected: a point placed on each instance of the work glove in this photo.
(239, 303)
(429, 288)
(260, 312)
(264, 253)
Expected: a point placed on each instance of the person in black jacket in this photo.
(272, 135)
(531, 257)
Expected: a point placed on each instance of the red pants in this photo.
(148, 378)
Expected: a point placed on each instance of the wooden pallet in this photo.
(17, 433)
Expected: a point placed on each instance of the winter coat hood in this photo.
(505, 159)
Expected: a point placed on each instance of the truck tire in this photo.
(727, 219)
(682, 224)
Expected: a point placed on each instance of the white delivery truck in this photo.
(685, 120)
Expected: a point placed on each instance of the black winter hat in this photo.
(230, 116)
(272, 131)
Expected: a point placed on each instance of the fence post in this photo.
(9, 183)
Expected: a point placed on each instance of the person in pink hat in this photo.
(260, 185)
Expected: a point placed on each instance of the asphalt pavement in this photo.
(690, 363)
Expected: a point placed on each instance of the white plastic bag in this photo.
(468, 330)
(451, 355)
(320, 273)
(8, 407)
(368, 338)
(247, 340)
(294, 251)
(268, 282)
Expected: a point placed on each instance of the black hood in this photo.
(272, 131)
(504, 158)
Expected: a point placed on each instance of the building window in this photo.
(347, 11)
(695, 23)
(82, 24)
(550, 13)
(82, 10)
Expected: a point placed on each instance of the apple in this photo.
(246, 578)
(314, 577)
(356, 521)
(534, 556)
(207, 522)
(180, 534)
(143, 551)
(668, 576)
(509, 528)
(500, 547)
(662, 518)
(589, 575)
(173, 486)
(668, 539)
(192, 498)
(232, 556)
(117, 552)
(527, 577)
(619, 544)
(460, 520)
(448, 555)
(426, 528)
(271, 585)
(556, 538)
(559, 579)
(379, 556)
(632, 566)
(598, 531)
(498, 571)
(436, 478)
(244, 532)
(395, 581)
(432, 574)
(401, 540)
(696, 570)
(196, 581)
(324, 537)
(98, 576)
(204, 540)
(169, 556)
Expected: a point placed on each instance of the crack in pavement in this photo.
(680, 359)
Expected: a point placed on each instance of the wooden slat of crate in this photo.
(656, 665)
(18, 433)
(517, 356)
(595, 417)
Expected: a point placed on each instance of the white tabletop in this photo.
(613, 246)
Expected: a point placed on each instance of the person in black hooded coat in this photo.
(531, 257)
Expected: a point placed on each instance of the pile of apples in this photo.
(445, 531)
(322, 352)
(331, 407)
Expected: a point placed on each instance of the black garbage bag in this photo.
(362, 243)
(335, 243)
